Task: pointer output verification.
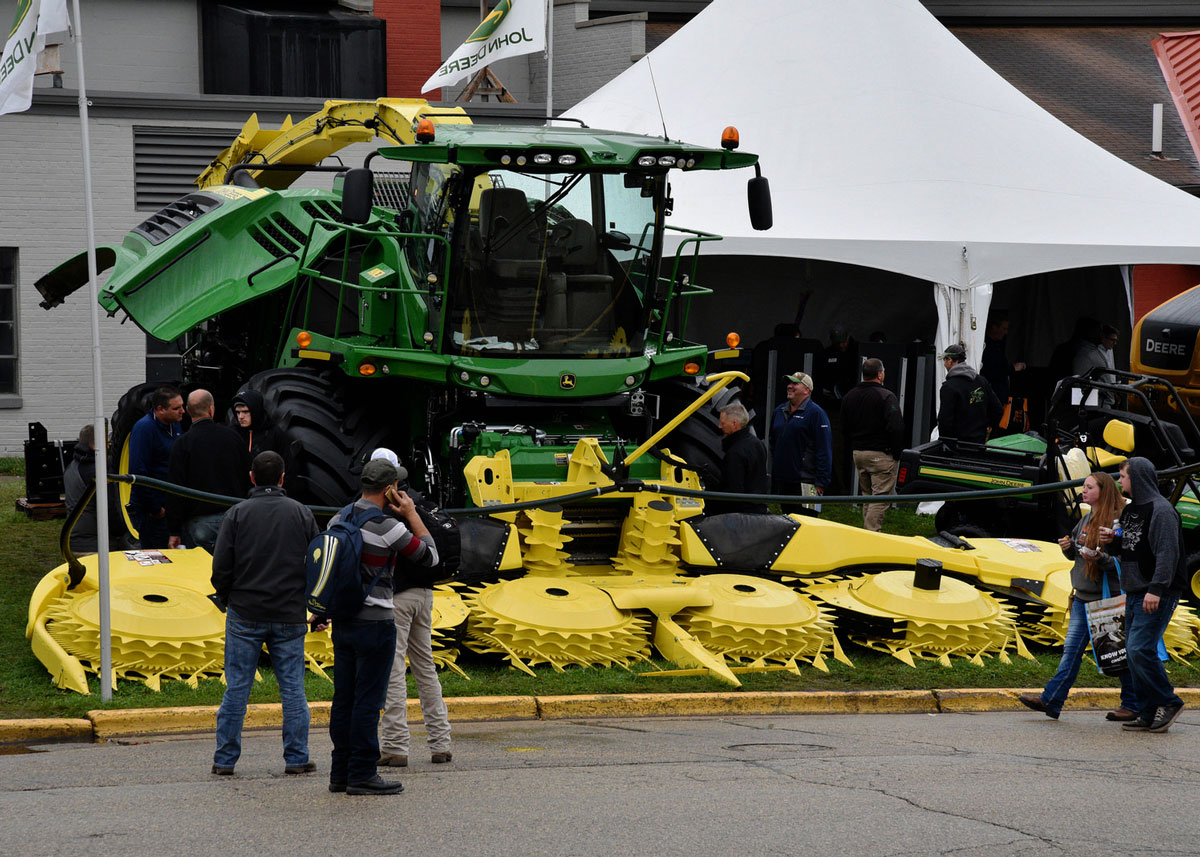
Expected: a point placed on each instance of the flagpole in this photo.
(549, 59)
(101, 429)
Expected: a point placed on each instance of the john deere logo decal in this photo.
(489, 24)
(23, 10)
(566, 381)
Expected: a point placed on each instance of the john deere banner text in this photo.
(513, 28)
(26, 39)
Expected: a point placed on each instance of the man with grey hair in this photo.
(744, 468)
(874, 427)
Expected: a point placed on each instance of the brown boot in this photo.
(440, 758)
(393, 760)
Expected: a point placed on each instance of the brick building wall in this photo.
(414, 44)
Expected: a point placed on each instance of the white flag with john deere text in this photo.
(512, 28)
(35, 19)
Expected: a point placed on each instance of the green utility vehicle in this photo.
(476, 288)
(1089, 432)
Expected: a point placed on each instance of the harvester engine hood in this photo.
(203, 254)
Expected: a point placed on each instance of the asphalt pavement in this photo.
(971, 784)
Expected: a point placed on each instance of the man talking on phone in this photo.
(363, 647)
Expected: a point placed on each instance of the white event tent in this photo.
(890, 145)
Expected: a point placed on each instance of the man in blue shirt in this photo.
(801, 443)
(150, 444)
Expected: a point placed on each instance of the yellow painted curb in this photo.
(691, 704)
(981, 699)
(155, 721)
(1091, 697)
(483, 708)
(45, 729)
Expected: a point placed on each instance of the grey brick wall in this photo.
(41, 183)
(135, 46)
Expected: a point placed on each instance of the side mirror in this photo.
(758, 197)
(357, 193)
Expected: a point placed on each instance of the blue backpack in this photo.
(335, 583)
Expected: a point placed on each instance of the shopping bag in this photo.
(1106, 626)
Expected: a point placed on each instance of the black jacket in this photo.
(208, 457)
(743, 471)
(258, 561)
(969, 406)
(872, 419)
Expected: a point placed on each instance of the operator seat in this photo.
(590, 295)
(514, 262)
(513, 236)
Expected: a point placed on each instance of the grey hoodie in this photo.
(1152, 557)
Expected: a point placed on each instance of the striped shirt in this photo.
(385, 539)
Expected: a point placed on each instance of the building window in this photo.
(166, 161)
(8, 320)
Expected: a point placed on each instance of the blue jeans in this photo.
(1074, 646)
(1142, 632)
(152, 532)
(244, 640)
(362, 664)
(202, 531)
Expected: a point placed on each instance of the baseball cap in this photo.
(378, 473)
(387, 455)
(801, 378)
(955, 351)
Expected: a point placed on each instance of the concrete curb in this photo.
(107, 725)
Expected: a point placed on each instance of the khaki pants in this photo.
(414, 627)
(876, 475)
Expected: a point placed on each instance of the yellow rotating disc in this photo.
(158, 630)
(557, 621)
(890, 612)
(753, 619)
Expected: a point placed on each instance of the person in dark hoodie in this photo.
(77, 479)
(250, 422)
(969, 406)
(1152, 575)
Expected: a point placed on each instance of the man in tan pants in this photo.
(414, 627)
(874, 426)
(412, 601)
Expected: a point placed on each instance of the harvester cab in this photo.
(493, 277)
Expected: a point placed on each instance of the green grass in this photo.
(29, 549)
(12, 466)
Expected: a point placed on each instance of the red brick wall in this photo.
(1153, 284)
(414, 45)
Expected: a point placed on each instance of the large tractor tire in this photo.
(697, 440)
(327, 437)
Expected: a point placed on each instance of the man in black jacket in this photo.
(744, 466)
(209, 457)
(874, 426)
(258, 575)
(969, 406)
